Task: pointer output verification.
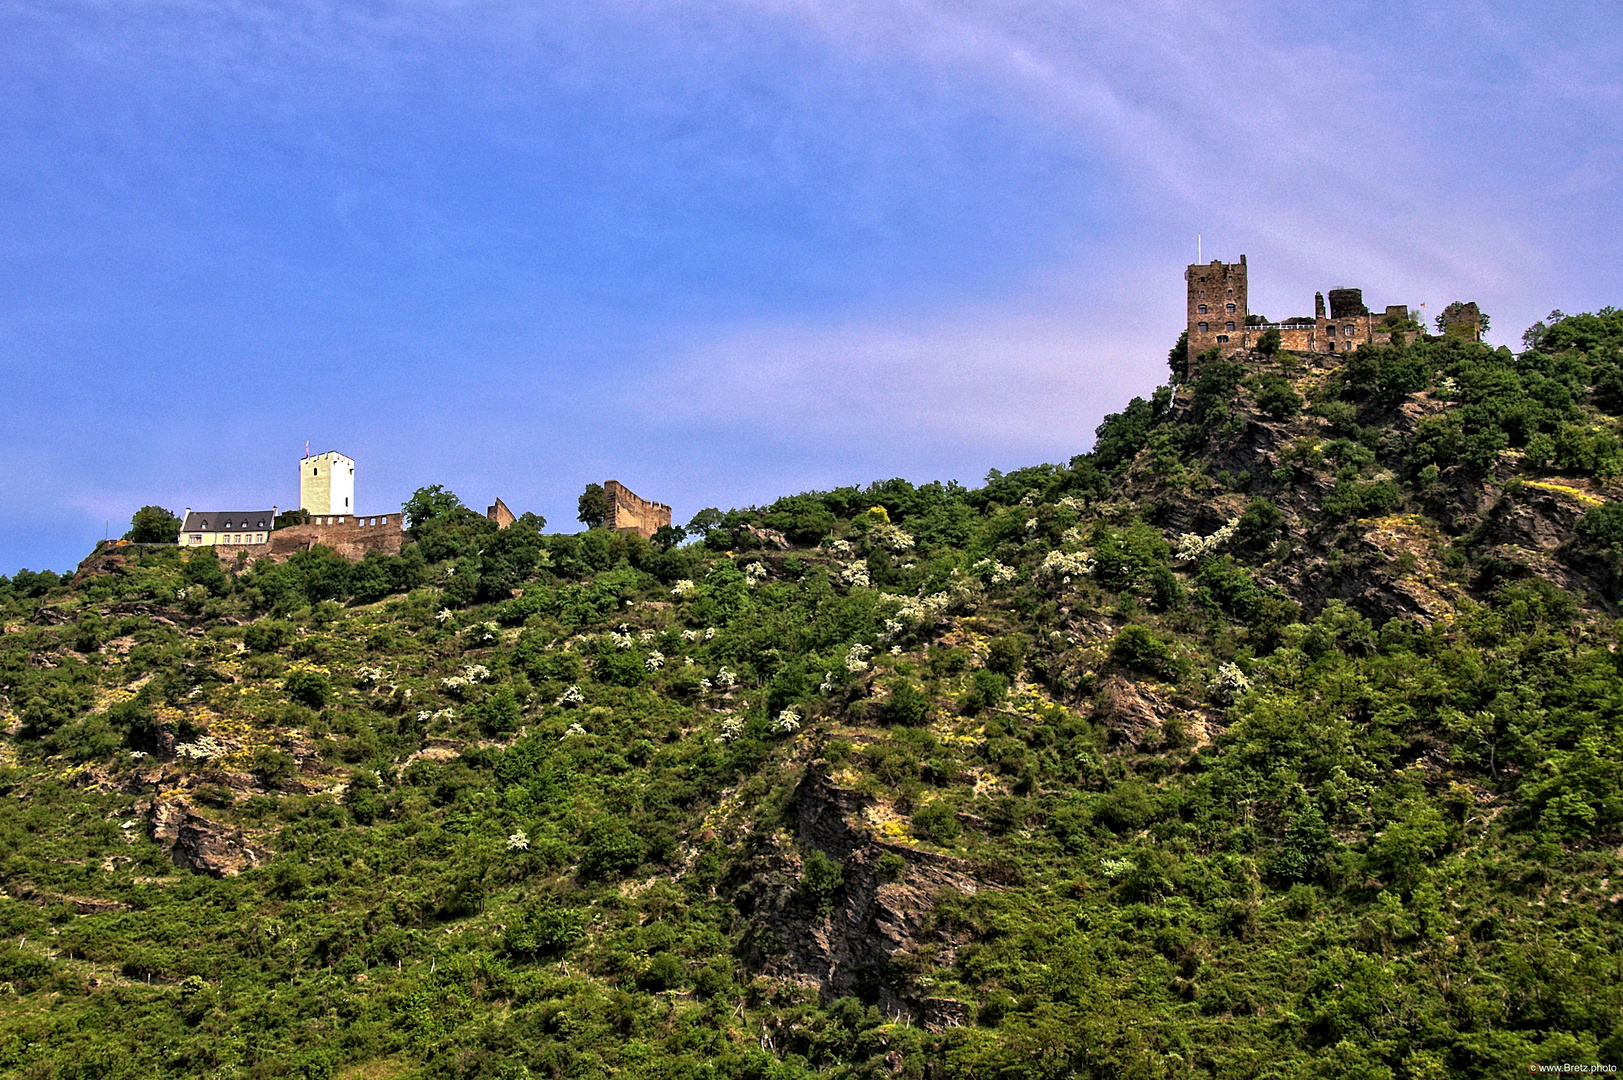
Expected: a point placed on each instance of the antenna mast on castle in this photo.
(1198, 256)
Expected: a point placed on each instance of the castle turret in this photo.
(327, 484)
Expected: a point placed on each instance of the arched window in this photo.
(1202, 328)
(1203, 309)
(1229, 325)
(1231, 307)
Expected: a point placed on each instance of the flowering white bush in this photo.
(572, 729)
(476, 673)
(892, 628)
(856, 658)
(655, 660)
(731, 728)
(368, 676)
(424, 716)
(1193, 548)
(726, 679)
(892, 537)
(1062, 567)
(200, 750)
(709, 632)
(828, 685)
(691, 635)
(895, 650)
(840, 547)
(1447, 387)
(443, 614)
(1071, 502)
(518, 842)
(572, 696)
(788, 721)
(456, 684)
(920, 609)
(855, 574)
(684, 589)
(646, 635)
(1228, 684)
(687, 661)
(621, 641)
(487, 631)
(993, 572)
(755, 572)
(1115, 868)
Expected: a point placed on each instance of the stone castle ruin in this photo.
(1219, 317)
(628, 513)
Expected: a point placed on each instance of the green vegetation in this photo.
(1265, 738)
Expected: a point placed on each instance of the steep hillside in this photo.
(1279, 734)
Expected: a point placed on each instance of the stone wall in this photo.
(630, 513)
(351, 537)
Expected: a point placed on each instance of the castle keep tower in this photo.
(1217, 307)
(327, 484)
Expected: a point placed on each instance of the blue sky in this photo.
(730, 251)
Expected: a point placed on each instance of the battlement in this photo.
(630, 513)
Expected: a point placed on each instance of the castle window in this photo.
(1330, 331)
(1202, 328)
(1347, 330)
(197, 538)
(1229, 325)
(1203, 309)
(1231, 307)
(1222, 339)
(1332, 344)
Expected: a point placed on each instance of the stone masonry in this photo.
(1218, 310)
(351, 537)
(629, 513)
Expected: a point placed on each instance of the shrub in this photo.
(543, 928)
(307, 687)
(936, 821)
(612, 850)
(1006, 655)
(986, 690)
(820, 878)
(1137, 647)
(908, 705)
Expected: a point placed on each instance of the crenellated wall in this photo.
(351, 537)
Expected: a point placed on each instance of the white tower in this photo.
(327, 484)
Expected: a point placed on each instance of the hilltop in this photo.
(1278, 733)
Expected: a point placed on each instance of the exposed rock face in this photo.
(1129, 709)
(194, 841)
(874, 923)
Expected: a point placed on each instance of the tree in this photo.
(153, 525)
(1178, 359)
(428, 503)
(593, 506)
(668, 536)
(1268, 343)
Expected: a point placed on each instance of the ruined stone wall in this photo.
(351, 537)
(630, 513)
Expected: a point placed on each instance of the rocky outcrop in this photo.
(206, 846)
(865, 942)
